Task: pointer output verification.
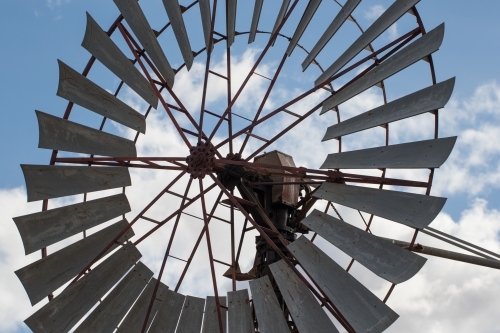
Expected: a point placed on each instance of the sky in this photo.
(445, 296)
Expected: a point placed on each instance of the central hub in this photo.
(201, 159)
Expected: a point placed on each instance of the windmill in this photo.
(294, 285)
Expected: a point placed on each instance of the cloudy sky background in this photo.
(445, 296)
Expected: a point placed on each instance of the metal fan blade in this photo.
(42, 229)
(429, 99)
(135, 318)
(64, 311)
(177, 22)
(168, 313)
(413, 210)
(255, 20)
(239, 313)
(211, 320)
(281, 15)
(231, 21)
(311, 8)
(107, 315)
(419, 154)
(267, 308)
(78, 89)
(50, 181)
(206, 20)
(60, 134)
(391, 15)
(383, 258)
(305, 311)
(363, 310)
(407, 56)
(98, 43)
(45, 275)
(337, 22)
(137, 21)
(191, 316)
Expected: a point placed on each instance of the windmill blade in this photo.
(267, 308)
(192, 315)
(135, 318)
(60, 134)
(231, 21)
(78, 89)
(174, 14)
(168, 314)
(281, 15)
(419, 154)
(50, 181)
(429, 99)
(332, 29)
(255, 20)
(45, 228)
(64, 311)
(383, 258)
(311, 8)
(239, 313)
(388, 18)
(137, 21)
(413, 210)
(410, 54)
(107, 315)
(100, 45)
(206, 20)
(362, 310)
(45, 275)
(305, 311)
(211, 320)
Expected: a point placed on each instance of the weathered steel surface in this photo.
(410, 54)
(337, 22)
(267, 308)
(281, 15)
(239, 312)
(64, 311)
(211, 320)
(255, 20)
(177, 22)
(429, 99)
(98, 43)
(206, 19)
(42, 229)
(50, 181)
(192, 315)
(311, 8)
(383, 258)
(364, 311)
(391, 15)
(135, 318)
(413, 210)
(45, 275)
(60, 134)
(107, 315)
(78, 89)
(306, 313)
(231, 21)
(137, 21)
(168, 313)
(420, 154)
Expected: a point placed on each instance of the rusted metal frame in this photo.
(319, 294)
(167, 253)
(177, 195)
(119, 159)
(196, 217)
(183, 10)
(282, 183)
(243, 232)
(220, 219)
(222, 263)
(261, 56)
(193, 252)
(140, 166)
(325, 211)
(364, 221)
(150, 219)
(406, 38)
(217, 74)
(171, 256)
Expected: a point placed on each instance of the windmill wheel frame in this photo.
(137, 301)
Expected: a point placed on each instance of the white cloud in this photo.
(56, 3)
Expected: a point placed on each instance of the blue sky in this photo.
(37, 32)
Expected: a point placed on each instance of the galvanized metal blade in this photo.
(192, 315)
(410, 54)
(50, 181)
(177, 22)
(281, 15)
(206, 20)
(168, 314)
(413, 210)
(239, 313)
(78, 89)
(255, 20)
(231, 21)
(363, 311)
(64, 311)
(311, 8)
(211, 319)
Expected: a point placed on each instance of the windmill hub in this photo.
(201, 160)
